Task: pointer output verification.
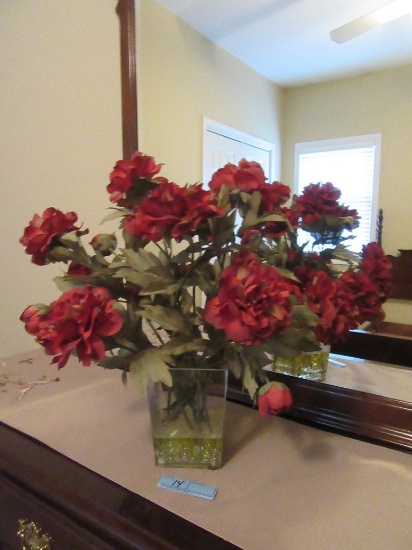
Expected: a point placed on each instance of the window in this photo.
(352, 165)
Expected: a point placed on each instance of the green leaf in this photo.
(61, 253)
(132, 242)
(118, 213)
(256, 357)
(223, 229)
(252, 215)
(342, 253)
(206, 281)
(288, 274)
(149, 363)
(275, 218)
(141, 260)
(64, 284)
(303, 315)
(43, 308)
(120, 361)
(186, 301)
(249, 382)
(233, 361)
(291, 342)
(168, 318)
(224, 198)
(156, 281)
(182, 344)
(185, 256)
(246, 197)
(69, 238)
(124, 342)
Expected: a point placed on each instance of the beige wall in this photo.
(379, 102)
(60, 133)
(61, 121)
(184, 77)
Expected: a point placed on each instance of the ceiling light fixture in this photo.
(392, 11)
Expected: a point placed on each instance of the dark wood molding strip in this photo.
(126, 12)
(371, 418)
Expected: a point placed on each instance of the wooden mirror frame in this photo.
(366, 416)
(127, 15)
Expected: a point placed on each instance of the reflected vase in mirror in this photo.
(309, 365)
(187, 418)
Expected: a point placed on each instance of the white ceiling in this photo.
(288, 40)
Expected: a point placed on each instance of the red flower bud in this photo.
(104, 243)
(274, 398)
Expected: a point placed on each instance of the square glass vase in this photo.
(187, 418)
(311, 365)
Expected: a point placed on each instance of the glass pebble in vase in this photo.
(311, 365)
(187, 418)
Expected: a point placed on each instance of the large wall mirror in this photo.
(170, 110)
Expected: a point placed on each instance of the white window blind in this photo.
(352, 165)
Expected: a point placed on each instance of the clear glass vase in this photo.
(187, 419)
(309, 365)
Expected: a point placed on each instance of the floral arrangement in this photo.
(205, 277)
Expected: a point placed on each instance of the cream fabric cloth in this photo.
(283, 486)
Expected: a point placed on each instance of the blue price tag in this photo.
(188, 487)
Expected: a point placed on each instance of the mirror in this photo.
(174, 95)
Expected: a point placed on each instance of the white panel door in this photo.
(222, 144)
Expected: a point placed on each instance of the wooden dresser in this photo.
(77, 472)
(79, 509)
(47, 495)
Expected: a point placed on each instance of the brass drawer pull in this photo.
(32, 536)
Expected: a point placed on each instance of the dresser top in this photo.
(283, 485)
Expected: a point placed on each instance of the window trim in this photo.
(351, 142)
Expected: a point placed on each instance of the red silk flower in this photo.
(377, 267)
(335, 306)
(171, 210)
(253, 302)
(319, 200)
(78, 320)
(127, 172)
(43, 232)
(246, 176)
(273, 196)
